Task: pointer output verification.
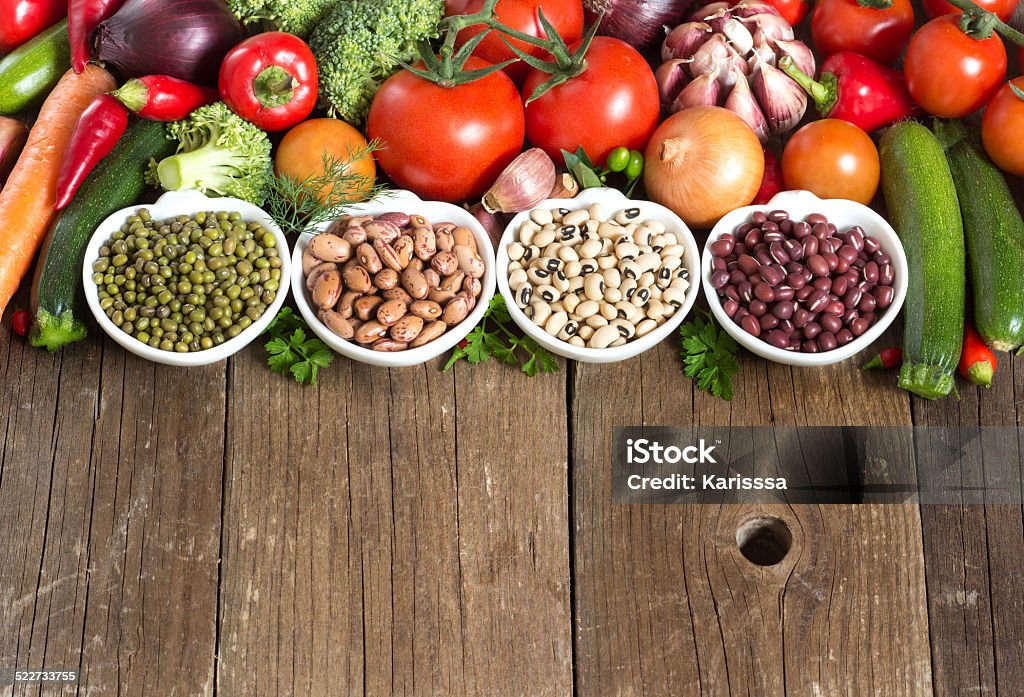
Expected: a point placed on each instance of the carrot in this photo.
(28, 197)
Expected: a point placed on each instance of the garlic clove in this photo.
(782, 100)
(527, 181)
(749, 8)
(762, 51)
(741, 102)
(710, 10)
(732, 68)
(768, 28)
(738, 36)
(800, 53)
(671, 78)
(682, 41)
(703, 91)
(712, 54)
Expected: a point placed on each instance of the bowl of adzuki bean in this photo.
(804, 281)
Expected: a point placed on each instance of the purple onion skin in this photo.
(640, 23)
(186, 39)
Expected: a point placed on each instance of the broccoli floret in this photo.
(297, 17)
(359, 44)
(219, 153)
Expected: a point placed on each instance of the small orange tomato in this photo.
(832, 158)
(301, 155)
(1002, 126)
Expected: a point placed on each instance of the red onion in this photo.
(186, 39)
(640, 23)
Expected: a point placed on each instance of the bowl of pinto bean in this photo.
(396, 282)
(804, 281)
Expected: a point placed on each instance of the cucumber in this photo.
(28, 73)
(58, 301)
(995, 238)
(923, 208)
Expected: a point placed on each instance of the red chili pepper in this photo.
(20, 322)
(83, 17)
(20, 20)
(771, 180)
(100, 127)
(463, 343)
(888, 359)
(164, 98)
(270, 79)
(977, 362)
(857, 89)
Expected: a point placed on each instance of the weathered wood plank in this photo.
(382, 535)
(666, 603)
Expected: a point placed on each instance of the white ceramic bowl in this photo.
(167, 206)
(612, 201)
(844, 214)
(435, 212)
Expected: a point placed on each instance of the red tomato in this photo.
(613, 102)
(846, 25)
(832, 158)
(949, 73)
(1002, 8)
(1002, 126)
(566, 16)
(23, 19)
(793, 11)
(447, 143)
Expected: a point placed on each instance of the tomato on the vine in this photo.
(447, 143)
(878, 29)
(949, 73)
(1002, 126)
(1003, 9)
(566, 16)
(613, 102)
(832, 158)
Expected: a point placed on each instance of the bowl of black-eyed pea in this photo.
(598, 278)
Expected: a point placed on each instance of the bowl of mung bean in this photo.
(188, 280)
(598, 278)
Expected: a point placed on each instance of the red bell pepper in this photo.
(270, 80)
(100, 127)
(857, 89)
(163, 98)
(83, 17)
(793, 11)
(20, 20)
(977, 362)
(771, 180)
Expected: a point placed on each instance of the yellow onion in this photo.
(702, 163)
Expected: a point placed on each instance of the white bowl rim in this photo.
(389, 201)
(800, 199)
(185, 203)
(612, 200)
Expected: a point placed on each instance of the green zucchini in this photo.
(921, 198)
(118, 181)
(995, 238)
(28, 73)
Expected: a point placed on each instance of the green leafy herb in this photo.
(709, 356)
(493, 338)
(291, 352)
(296, 205)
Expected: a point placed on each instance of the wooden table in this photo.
(225, 531)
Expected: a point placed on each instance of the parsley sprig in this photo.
(492, 338)
(709, 356)
(291, 352)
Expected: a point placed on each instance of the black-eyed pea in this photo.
(550, 264)
(577, 217)
(357, 279)
(576, 285)
(541, 216)
(407, 328)
(674, 250)
(330, 248)
(430, 332)
(538, 276)
(551, 250)
(365, 307)
(641, 296)
(627, 287)
(389, 345)
(386, 279)
(469, 261)
(441, 297)
(603, 337)
(368, 332)
(607, 261)
(558, 307)
(368, 258)
(572, 269)
(627, 310)
(585, 332)
(555, 322)
(568, 235)
(424, 243)
(570, 302)
(455, 311)
(593, 286)
(608, 311)
(464, 237)
(560, 281)
(538, 312)
(577, 341)
(355, 236)
(617, 343)
(387, 255)
(397, 294)
(453, 282)
(314, 273)
(649, 262)
(680, 284)
(646, 280)
(645, 327)
(445, 263)
(414, 282)
(587, 308)
(403, 248)
(517, 278)
(425, 309)
(390, 311)
(590, 229)
(444, 241)
(643, 236)
(659, 242)
(654, 308)
(513, 265)
(674, 296)
(327, 289)
(558, 214)
(596, 321)
(527, 231)
(612, 278)
(382, 230)
(545, 237)
(627, 216)
(671, 263)
(531, 253)
(515, 251)
(612, 295)
(590, 249)
(609, 228)
(588, 266)
(548, 294)
(472, 286)
(337, 324)
(569, 330)
(626, 329)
